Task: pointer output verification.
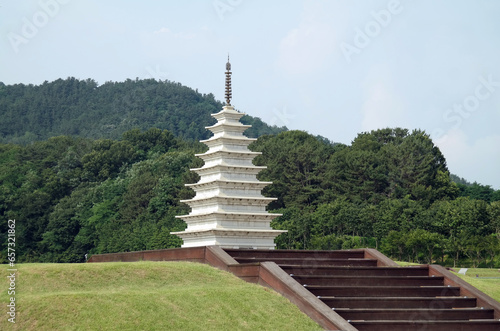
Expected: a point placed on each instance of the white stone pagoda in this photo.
(228, 209)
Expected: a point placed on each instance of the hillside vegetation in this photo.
(80, 193)
(390, 189)
(146, 296)
(82, 108)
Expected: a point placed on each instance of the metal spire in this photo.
(228, 82)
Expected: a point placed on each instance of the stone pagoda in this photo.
(228, 209)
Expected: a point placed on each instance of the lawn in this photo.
(144, 296)
(487, 280)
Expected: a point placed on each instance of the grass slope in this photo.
(144, 296)
(487, 280)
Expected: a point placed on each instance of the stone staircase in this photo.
(373, 293)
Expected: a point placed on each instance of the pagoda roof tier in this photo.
(220, 214)
(228, 112)
(221, 167)
(226, 152)
(228, 184)
(228, 127)
(228, 139)
(223, 198)
(244, 233)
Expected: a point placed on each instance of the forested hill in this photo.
(88, 169)
(82, 108)
(389, 189)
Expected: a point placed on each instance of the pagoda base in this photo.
(228, 238)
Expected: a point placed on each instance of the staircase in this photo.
(374, 294)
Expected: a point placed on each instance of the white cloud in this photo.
(382, 107)
(477, 160)
(162, 30)
(170, 44)
(178, 35)
(308, 47)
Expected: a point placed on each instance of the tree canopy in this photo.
(85, 109)
(88, 169)
(389, 189)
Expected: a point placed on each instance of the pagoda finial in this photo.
(228, 82)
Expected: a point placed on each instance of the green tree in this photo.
(394, 244)
(106, 159)
(494, 216)
(296, 162)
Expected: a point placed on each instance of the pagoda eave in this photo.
(233, 153)
(216, 167)
(265, 200)
(225, 215)
(229, 232)
(228, 138)
(228, 183)
(223, 125)
(228, 111)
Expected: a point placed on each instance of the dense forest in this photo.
(82, 108)
(391, 189)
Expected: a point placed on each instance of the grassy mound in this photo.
(144, 296)
(485, 280)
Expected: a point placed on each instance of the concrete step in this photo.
(384, 291)
(369, 280)
(355, 271)
(430, 325)
(309, 262)
(398, 302)
(412, 314)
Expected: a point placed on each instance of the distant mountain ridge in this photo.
(83, 108)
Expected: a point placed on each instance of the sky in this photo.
(329, 67)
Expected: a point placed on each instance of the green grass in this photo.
(144, 296)
(405, 264)
(488, 286)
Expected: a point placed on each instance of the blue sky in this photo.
(334, 68)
